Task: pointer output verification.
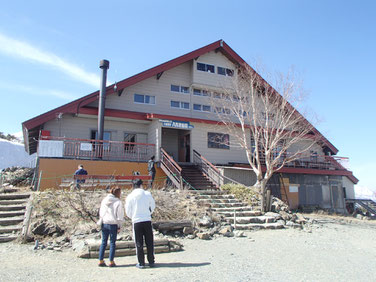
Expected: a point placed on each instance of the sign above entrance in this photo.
(176, 124)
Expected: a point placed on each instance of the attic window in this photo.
(205, 67)
(225, 71)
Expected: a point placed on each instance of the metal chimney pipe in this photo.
(104, 65)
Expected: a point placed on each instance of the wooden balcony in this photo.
(88, 149)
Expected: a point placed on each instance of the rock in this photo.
(225, 230)
(359, 216)
(285, 216)
(203, 236)
(188, 230)
(293, 224)
(300, 219)
(192, 236)
(205, 221)
(239, 233)
(46, 228)
(273, 214)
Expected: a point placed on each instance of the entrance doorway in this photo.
(177, 143)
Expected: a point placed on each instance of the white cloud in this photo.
(24, 50)
(37, 91)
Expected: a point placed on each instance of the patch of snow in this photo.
(14, 154)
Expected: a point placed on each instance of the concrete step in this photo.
(12, 207)
(10, 229)
(237, 209)
(14, 196)
(221, 201)
(209, 192)
(4, 214)
(252, 219)
(240, 213)
(216, 197)
(13, 202)
(11, 221)
(4, 239)
(252, 226)
(228, 205)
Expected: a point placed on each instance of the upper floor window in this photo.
(205, 67)
(201, 108)
(178, 88)
(200, 92)
(144, 99)
(180, 105)
(225, 71)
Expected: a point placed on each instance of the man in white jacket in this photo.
(139, 206)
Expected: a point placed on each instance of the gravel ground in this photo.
(335, 250)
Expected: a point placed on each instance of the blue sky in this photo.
(50, 52)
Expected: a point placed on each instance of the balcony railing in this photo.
(87, 149)
(314, 161)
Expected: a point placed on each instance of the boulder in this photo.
(203, 236)
(205, 221)
(46, 228)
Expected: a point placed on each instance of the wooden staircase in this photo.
(12, 215)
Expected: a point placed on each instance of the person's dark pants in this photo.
(144, 230)
(152, 174)
(108, 230)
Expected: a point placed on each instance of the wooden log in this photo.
(125, 245)
(171, 225)
(123, 252)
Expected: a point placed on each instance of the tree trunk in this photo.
(263, 195)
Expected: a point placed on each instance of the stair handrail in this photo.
(362, 203)
(210, 170)
(171, 168)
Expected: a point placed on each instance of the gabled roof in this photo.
(31, 127)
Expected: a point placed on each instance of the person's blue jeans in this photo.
(108, 230)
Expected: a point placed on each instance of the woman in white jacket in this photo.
(112, 215)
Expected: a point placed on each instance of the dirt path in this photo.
(333, 251)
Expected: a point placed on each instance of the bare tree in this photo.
(264, 122)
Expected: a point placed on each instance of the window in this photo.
(181, 105)
(225, 71)
(144, 99)
(178, 88)
(106, 136)
(206, 108)
(197, 92)
(218, 140)
(201, 108)
(129, 137)
(197, 107)
(205, 67)
(220, 110)
(217, 95)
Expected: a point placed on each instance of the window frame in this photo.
(144, 99)
(181, 103)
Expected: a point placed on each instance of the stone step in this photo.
(10, 229)
(4, 239)
(11, 221)
(237, 209)
(240, 213)
(209, 192)
(227, 205)
(12, 207)
(252, 226)
(225, 197)
(11, 213)
(252, 219)
(220, 201)
(13, 196)
(13, 202)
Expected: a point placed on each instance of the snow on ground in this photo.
(14, 154)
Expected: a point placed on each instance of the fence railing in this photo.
(171, 168)
(105, 150)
